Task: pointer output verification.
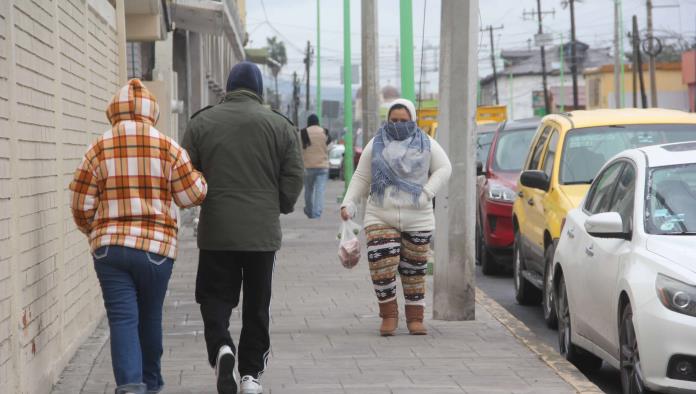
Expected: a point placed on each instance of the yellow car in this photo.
(564, 157)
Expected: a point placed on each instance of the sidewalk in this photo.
(324, 333)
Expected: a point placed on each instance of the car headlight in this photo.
(676, 295)
(501, 193)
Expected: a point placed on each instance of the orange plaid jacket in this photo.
(123, 189)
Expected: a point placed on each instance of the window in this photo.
(624, 196)
(670, 205)
(510, 149)
(551, 154)
(599, 196)
(538, 149)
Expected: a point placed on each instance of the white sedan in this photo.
(625, 271)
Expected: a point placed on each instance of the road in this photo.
(501, 289)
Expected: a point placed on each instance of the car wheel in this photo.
(585, 361)
(489, 265)
(478, 243)
(547, 302)
(525, 292)
(631, 372)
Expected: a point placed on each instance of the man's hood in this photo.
(133, 102)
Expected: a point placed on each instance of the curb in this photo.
(567, 371)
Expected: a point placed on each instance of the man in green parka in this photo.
(252, 160)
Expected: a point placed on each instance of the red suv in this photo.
(497, 190)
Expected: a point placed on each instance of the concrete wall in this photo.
(58, 69)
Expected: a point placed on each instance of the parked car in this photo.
(624, 273)
(497, 191)
(336, 160)
(564, 158)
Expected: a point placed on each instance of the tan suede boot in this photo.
(414, 320)
(389, 312)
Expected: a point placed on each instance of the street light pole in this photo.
(454, 287)
(347, 96)
(370, 70)
(318, 95)
(408, 88)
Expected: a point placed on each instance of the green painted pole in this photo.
(562, 92)
(408, 82)
(347, 95)
(318, 96)
(621, 59)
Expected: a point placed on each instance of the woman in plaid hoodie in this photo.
(122, 196)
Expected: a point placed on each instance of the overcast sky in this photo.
(294, 22)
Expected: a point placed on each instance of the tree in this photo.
(276, 51)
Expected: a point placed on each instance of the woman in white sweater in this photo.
(400, 171)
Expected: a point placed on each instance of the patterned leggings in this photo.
(387, 249)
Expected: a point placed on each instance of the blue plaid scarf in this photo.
(400, 159)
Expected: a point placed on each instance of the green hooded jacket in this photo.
(252, 161)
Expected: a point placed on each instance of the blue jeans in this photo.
(134, 283)
(314, 183)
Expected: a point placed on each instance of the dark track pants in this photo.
(221, 276)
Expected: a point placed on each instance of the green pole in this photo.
(408, 88)
(621, 60)
(512, 96)
(562, 92)
(318, 96)
(347, 95)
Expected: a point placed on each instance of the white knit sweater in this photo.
(398, 212)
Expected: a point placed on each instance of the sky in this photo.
(294, 22)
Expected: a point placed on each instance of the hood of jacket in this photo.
(133, 102)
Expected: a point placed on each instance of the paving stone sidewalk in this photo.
(324, 334)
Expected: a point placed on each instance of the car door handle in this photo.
(589, 250)
(571, 233)
(530, 202)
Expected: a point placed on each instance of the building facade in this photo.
(60, 63)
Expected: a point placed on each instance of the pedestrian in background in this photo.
(400, 171)
(122, 196)
(251, 157)
(315, 152)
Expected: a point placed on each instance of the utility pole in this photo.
(634, 60)
(495, 72)
(295, 98)
(651, 49)
(617, 57)
(547, 105)
(318, 95)
(562, 76)
(347, 96)
(539, 13)
(573, 55)
(370, 70)
(454, 287)
(308, 66)
(639, 59)
(408, 80)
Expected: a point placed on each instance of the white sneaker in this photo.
(224, 370)
(249, 385)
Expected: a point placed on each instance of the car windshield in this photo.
(586, 150)
(511, 149)
(670, 207)
(483, 145)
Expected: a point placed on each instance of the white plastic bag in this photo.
(349, 245)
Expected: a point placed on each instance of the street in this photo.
(501, 289)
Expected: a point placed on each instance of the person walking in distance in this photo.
(315, 141)
(251, 157)
(121, 198)
(400, 171)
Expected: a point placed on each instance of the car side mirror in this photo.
(479, 168)
(535, 179)
(606, 225)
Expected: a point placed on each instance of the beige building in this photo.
(60, 63)
(672, 92)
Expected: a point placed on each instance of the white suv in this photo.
(625, 271)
